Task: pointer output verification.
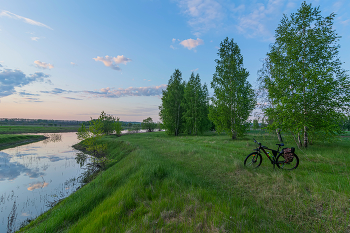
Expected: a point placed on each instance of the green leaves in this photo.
(171, 108)
(307, 90)
(104, 125)
(195, 106)
(148, 124)
(234, 97)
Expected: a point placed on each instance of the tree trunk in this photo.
(234, 135)
(299, 140)
(279, 136)
(296, 142)
(305, 137)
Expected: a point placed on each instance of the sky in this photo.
(71, 60)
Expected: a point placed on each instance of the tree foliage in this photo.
(172, 108)
(195, 104)
(234, 97)
(255, 124)
(104, 125)
(307, 89)
(148, 124)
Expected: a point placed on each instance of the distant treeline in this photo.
(43, 122)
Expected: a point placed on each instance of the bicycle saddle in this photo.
(281, 144)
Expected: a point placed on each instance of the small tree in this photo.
(106, 123)
(118, 127)
(91, 136)
(148, 124)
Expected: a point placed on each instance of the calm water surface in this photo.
(35, 176)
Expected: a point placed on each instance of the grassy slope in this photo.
(158, 183)
(36, 129)
(7, 140)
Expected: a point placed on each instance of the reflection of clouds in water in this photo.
(54, 158)
(11, 170)
(45, 167)
(37, 185)
(34, 174)
(68, 151)
(25, 214)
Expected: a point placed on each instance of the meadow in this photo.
(159, 183)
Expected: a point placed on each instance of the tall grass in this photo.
(159, 183)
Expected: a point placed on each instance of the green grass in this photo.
(160, 183)
(37, 129)
(10, 140)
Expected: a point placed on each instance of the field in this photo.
(159, 183)
(16, 129)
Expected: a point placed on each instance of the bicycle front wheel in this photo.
(281, 163)
(253, 160)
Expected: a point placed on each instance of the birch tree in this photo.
(195, 105)
(308, 88)
(234, 97)
(171, 109)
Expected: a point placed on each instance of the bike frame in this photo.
(274, 152)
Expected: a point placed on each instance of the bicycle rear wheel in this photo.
(253, 160)
(282, 164)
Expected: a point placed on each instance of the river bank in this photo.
(17, 129)
(10, 140)
(159, 183)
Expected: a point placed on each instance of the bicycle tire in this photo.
(287, 166)
(253, 160)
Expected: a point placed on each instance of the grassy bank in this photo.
(7, 141)
(37, 129)
(159, 183)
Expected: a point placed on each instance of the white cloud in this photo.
(204, 14)
(130, 91)
(171, 46)
(26, 20)
(113, 61)
(35, 38)
(121, 59)
(43, 65)
(254, 23)
(73, 64)
(194, 70)
(190, 43)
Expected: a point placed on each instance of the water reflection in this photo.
(10, 170)
(52, 138)
(35, 177)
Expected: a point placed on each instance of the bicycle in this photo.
(254, 159)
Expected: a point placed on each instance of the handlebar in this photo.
(257, 142)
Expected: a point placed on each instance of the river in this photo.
(35, 176)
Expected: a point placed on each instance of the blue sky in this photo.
(73, 59)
